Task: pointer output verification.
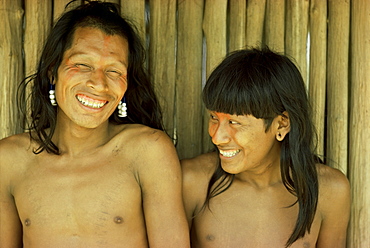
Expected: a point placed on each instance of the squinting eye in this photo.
(114, 73)
(233, 122)
(83, 67)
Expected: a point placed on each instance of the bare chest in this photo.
(254, 220)
(79, 202)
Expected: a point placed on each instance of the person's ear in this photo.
(283, 126)
(51, 77)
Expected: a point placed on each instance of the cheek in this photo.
(211, 129)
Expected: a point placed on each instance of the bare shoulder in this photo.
(15, 152)
(147, 149)
(334, 187)
(14, 147)
(331, 178)
(14, 141)
(142, 135)
(200, 167)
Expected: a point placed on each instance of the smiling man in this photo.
(264, 187)
(93, 171)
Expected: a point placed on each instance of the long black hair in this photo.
(142, 103)
(264, 84)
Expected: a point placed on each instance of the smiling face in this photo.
(243, 142)
(92, 77)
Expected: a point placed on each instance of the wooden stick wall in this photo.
(186, 39)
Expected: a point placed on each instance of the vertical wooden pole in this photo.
(60, 6)
(337, 84)
(214, 27)
(237, 16)
(38, 19)
(255, 22)
(275, 25)
(189, 78)
(134, 10)
(162, 56)
(317, 79)
(296, 33)
(11, 65)
(359, 142)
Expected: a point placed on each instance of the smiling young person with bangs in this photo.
(96, 168)
(264, 186)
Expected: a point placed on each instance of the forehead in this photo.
(89, 40)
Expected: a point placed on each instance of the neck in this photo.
(75, 140)
(265, 174)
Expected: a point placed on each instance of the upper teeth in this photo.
(90, 102)
(229, 153)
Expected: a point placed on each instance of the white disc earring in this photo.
(122, 108)
(52, 95)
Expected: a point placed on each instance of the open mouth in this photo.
(91, 103)
(229, 154)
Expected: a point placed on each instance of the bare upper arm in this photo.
(334, 207)
(160, 179)
(196, 173)
(10, 225)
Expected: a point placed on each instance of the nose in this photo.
(219, 133)
(98, 81)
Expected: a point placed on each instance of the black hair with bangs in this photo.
(264, 84)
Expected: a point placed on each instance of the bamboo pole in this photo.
(214, 27)
(189, 78)
(359, 142)
(11, 65)
(60, 6)
(337, 84)
(38, 22)
(255, 22)
(237, 16)
(275, 25)
(162, 56)
(134, 11)
(317, 74)
(296, 33)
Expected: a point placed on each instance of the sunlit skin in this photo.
(112, 185)
(94, 68)
(254, 211)
(256, 151)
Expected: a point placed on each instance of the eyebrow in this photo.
(87, 55)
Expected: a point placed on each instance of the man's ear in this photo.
(283, 123)
(51, 77)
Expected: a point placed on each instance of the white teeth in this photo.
(90, 103)
(229, 154)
